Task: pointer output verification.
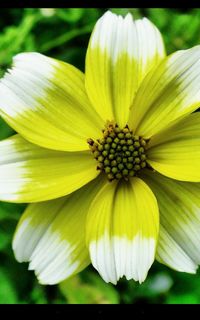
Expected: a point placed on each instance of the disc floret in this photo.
(120, 153)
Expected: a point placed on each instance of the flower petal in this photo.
(169, 92)
(175, 152)
(120, 53)
(170, 253)
(122, 229)
(45, 101)
(51, 235)
(179, 205)
(29, 173)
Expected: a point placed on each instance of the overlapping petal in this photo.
(169, 92)
(122, 230)
(51, 235)
(120, 53)
(179, 206)
(175, 152)
(170, 253)
(45, 101)
(29, 173)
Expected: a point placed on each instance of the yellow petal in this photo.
(51, 235)
(167, 93)
(29, 173)
(120, 53)
(179, 206)
(175, 152)
(122, 230)
(45, 101)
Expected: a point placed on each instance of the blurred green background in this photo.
(64, 34)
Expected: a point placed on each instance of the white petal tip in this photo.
(110, 260)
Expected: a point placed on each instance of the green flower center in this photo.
(119, 154)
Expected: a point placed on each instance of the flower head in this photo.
(109, 160)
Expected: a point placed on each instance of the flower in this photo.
(109, 161)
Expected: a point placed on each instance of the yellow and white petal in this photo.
(45, 101)
(168, 92)
(51, 235)
(179, 205)
(175, 152)
(122, 230)
(120, 53)
(29, 173)
(170, 253)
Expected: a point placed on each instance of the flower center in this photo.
(119, 154)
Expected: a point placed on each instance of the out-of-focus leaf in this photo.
(13, 40)
(38, 294)
(94, 291)
(7, 291)
(75, 56)
(188, 298)
(5, 130)
(10, 211)
(71, 15)
(7, 227)
(64, 38)
(4, 238)
(159, 16)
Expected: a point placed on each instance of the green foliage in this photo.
(64, 34)
(88, 288)
(7, 292)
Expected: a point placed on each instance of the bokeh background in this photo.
(64, 34)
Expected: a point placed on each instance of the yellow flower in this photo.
(106, 145)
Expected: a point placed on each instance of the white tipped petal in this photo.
(45, 101)
(29, 173)
(122, 230)
(51, 235)
(179, 205)
(119, 256)
(120, 53)
(169, 92)
(170, 253)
